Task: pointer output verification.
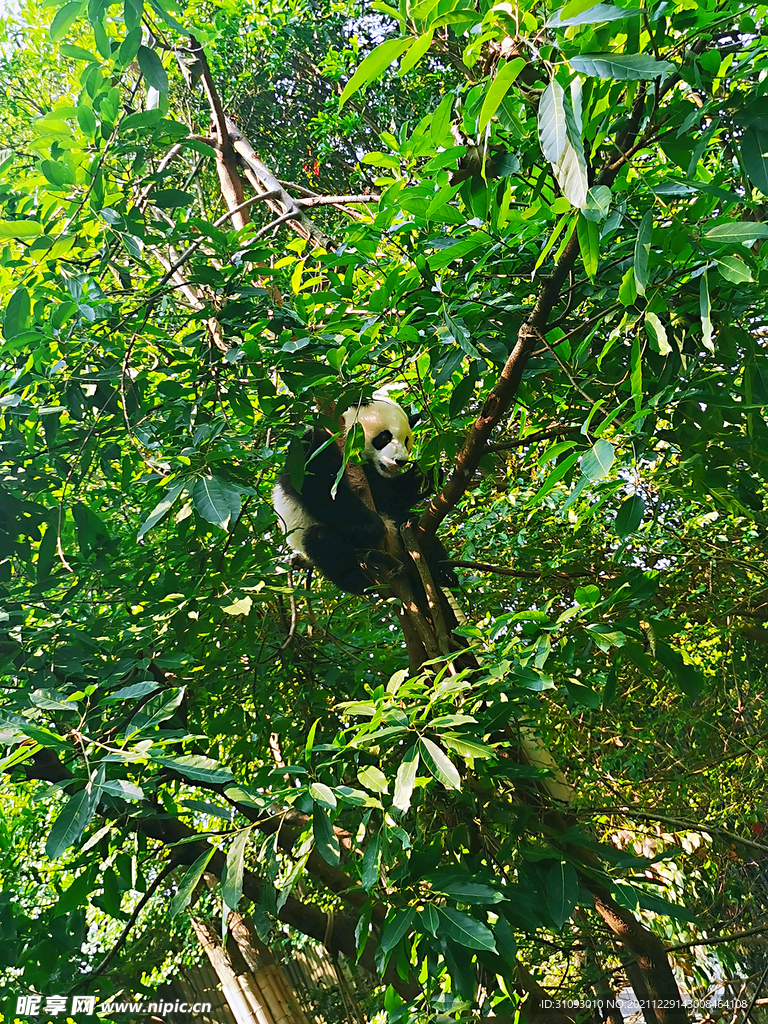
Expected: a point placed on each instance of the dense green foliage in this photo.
(599, 173)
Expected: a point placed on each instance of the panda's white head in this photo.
(388, 434)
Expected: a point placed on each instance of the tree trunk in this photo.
(256, 963)
(243, 1009)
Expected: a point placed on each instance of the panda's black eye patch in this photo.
(381, 440)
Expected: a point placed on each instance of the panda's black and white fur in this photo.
(334, 532)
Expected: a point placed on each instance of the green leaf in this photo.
(439, 764)
(171, 199)
(127, 52)
(378, 60)
(156, 710)
(589, 244)
(441, 197)
(142, 119)
(621, 67)
(588, 595)
(736, 232)
(133, 11)
(554, 477)
(628, 288)
(17, 313)
(465, 930)
(498, 89)
(77, 53)
(631, 897)
(440, 128)
(643, 251)
(20, 229)
(429, 919)
(189, 884)
(592, 16)
(575, 7)
(197, 767)
(369, 871)
(657, 333)
(64, 19)
(323, 795)
(406, 776)
(597, 462)
(159, 9)
(734, 269)
(461, 249)
(216, 500)
(160, 510)
(562, 892)
(86, 119)
(395, 928)
(629, 516)
(415, 53)
(461, 889)
(123, 789)
(467, 748)
(754, 154)
(551, 122)
(373, 778)
(57, 173)
(152, 69)
(382, 160)
(134, 690)
(70, 824)
(636, 374)
(232, 876)
(100, 37)
(706, 318)
(326, 840)
(598, 203)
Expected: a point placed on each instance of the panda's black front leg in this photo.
(336, 558)
(442, 573)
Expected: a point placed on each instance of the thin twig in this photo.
(718, 939)
(541, 435)
(522, 574)
(366, 197)
(755, 994)
(154, 886)
(291, 215)
(678, 824)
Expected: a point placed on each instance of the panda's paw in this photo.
(381, 564)
(299, 561)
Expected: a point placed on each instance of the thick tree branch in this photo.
(266, 181)
(336, 931)
(226, 164)
(504, 391)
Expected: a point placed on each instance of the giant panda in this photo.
(333, 532)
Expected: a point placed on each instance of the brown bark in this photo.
(653, 972)
(264, 180)
(649, 955)
(335, 931)
(260, 974)
(230, 182)
(241, 1006)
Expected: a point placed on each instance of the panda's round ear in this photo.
(414, 418)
